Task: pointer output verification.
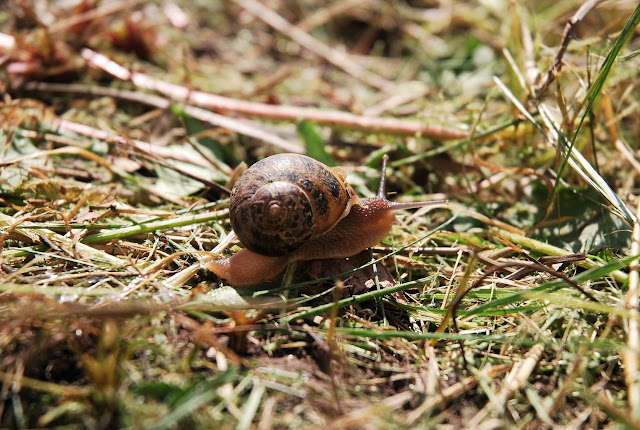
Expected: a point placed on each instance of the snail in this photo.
(290, 207)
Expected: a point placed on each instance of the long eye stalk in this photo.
(383, 178)
(395, 206)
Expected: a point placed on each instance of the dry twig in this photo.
(291, 113)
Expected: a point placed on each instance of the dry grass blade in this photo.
(581, 166)
(454, 391)
(631, 356)
(513, 382)
(72, 247)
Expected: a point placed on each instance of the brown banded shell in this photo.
(281, 202)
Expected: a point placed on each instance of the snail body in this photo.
(290, 207)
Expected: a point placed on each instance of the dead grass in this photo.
(123, 126)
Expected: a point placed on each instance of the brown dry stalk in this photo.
(550, 250)
(291, 113)
(569, 30)
(117, 139)
(156, 153)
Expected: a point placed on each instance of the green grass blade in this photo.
(588, 275)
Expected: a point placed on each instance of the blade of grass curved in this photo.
(581, 166)
(598, 344)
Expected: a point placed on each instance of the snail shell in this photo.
(283, 201)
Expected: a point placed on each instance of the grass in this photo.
(124, 125)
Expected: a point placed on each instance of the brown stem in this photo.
(291, 113)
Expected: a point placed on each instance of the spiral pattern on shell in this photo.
(281, 202)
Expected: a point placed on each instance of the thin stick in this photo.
(630, 356)
(291, 113)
